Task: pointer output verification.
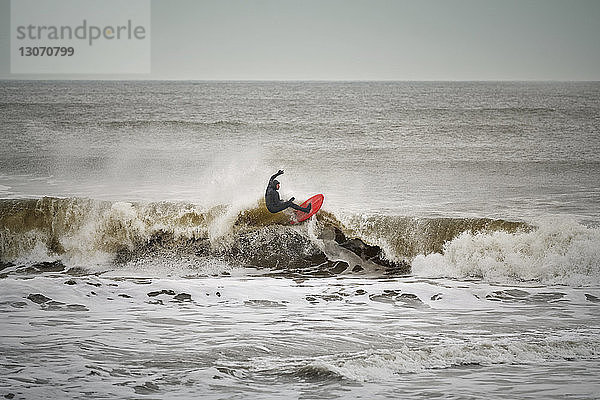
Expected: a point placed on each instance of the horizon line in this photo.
(290, 80)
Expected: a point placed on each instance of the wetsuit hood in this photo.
(274, 184)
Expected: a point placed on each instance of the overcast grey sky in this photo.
(366, 40)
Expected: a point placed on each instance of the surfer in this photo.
(274, 202)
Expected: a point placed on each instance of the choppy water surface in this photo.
(264, 337)
(457, 254)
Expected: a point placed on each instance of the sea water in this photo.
(138, 261)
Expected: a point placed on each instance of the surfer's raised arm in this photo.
(280, 172)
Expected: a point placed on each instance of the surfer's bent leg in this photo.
(280, 207)
(297, 207)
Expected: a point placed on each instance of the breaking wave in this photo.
(86, 233)
(382, 365)
(556, 252)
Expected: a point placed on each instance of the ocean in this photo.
(457, 253)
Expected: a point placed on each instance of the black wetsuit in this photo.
(274, 202)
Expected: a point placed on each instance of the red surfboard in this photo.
(316, 201)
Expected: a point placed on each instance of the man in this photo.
(274, 203)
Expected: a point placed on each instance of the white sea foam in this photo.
(556, 252)
(38, 251)
(382, 365)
